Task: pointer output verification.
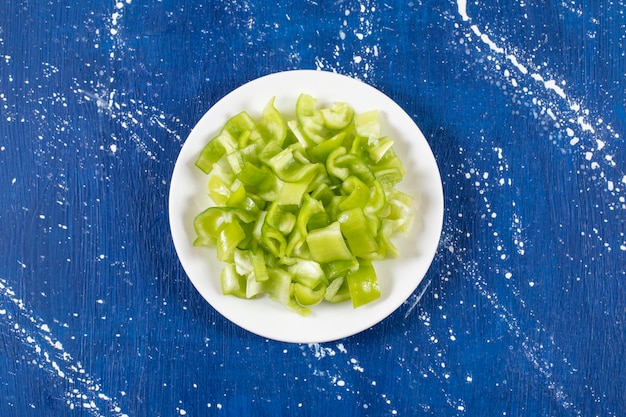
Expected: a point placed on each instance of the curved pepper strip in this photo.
(229, 235)
(232, 282)
(308, 282)
(333, 168)
(377, 199)
(280, 219)
(338, 117)
(297, 133)
(239, 123)
(257, 180)
(340, 268)
(221, 190)
(378, 147)
(237, 195)
(321, 151)
(358, 232)
(388, 177)
(400, 204)
(310, 120)
(357, 167)
(308, 297)
(308, 273)
(275, 225)
(357, 194)
(268, 152)
(226, 141)
(389, 165)
(310, 207)
(363, 284)
(323, 193)
(245, 171)
(208, 223)
(327, 244)
(259, 265)
(272, 126)
(292, 193)
(357, 148)
(217, 147)
(387, 248)
(273, 240)
(278, 286)
(367, 124)
(244, 139)
(240, 199)
(337, 291)
(317, 221)
(287, 166)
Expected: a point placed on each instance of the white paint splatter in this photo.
(592, 138)
(462, 9)
(419, 296)
(320, 351)
(130, 113)
(48, 354)
(355, 39)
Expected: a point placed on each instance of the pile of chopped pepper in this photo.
(302, 206)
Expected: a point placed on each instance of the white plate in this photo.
(398, 277)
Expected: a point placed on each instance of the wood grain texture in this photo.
(522, 312)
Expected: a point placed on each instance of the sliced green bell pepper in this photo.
(337, 117)
(357, 194)
(232, 282)
(337, 290)
(217, 147)
(310, 207)
(367, 124)
(327, 244)
(304, 205)
(289, 166)
(207, 224)
(377, 147)
(310, 120)
(358, 232)
(226, 141)
(272, 125)
(363, 284)
(320, 151)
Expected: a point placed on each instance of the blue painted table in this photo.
(523, 310)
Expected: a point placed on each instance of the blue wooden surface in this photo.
(523, 311)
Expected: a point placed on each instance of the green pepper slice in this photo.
(363, 285)
(304, 205)
(207, 224)
(357, 194)
(358, 232)
(272, 126)
(327, 244)
(339, 116)
(310, 120)
(226, 141)
(233, 283)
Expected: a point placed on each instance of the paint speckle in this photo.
(47, 353)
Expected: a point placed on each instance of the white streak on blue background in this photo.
(83, 390)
